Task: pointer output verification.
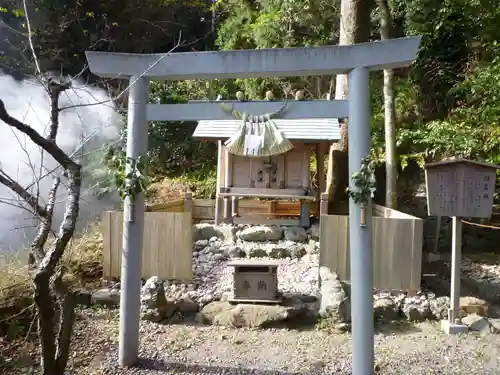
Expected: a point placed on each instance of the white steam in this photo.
(93, 126)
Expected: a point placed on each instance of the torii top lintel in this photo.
(275, 62)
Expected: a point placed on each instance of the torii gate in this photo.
(356, 60)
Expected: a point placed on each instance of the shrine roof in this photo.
(301, 129)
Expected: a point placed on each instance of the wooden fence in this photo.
(168, 238)
(397, 248)
(167, 245)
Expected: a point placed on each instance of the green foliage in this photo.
(276, 24)
(446, 103)
(67, 29)
(472, 128)
(172, 149)
(18, 13)
(364, 180)
(202, 182)
(128, 174)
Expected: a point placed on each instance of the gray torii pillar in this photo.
(133, 226)
(360, 238)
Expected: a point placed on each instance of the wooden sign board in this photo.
(460, 188)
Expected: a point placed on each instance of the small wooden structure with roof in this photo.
(284, 176)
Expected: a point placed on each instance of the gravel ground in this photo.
(190, 349)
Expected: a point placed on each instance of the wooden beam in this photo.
(274, 196)
(273, 62)
(263, 221)
(306, 159)
(320, 168)
(227, 183)
(196, 111)
(218, 199)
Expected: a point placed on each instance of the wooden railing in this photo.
(204, 209)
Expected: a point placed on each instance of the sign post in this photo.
(459, 188)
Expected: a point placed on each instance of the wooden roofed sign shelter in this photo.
(355, 60)
(459, 188)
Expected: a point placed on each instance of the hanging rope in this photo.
(481, 225)
(258, 136)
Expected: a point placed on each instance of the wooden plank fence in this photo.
(397, 248)
(167, 245)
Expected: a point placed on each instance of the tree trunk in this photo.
(354, 28)
(391, 163)
(45, 264)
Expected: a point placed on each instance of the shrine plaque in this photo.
(460, 188)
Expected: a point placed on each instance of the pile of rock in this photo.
(298, 280)
(388, 306)
(214, 245)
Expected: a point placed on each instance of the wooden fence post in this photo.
(188, 201)
(323, 205)
(234, 207)
(218, 206)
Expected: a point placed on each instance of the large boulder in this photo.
(334, 300)
(154, 304)
(227, 232)
(257, 253)
(108, 297)
(205, 232)
(473, 305)
(385, 309)
(231, 251)
(295, 234)
(279, 253)
(223, 313)
(478, 323)
(314, 232)
(439, 307)
(297, 251)
(261, 233)
(416, 308)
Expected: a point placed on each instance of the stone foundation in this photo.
(298, 281)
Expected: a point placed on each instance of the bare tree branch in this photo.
(31, 200)
(45, 226)
(28, 25)
(177, 45)
(55, 90)
(51, 147)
